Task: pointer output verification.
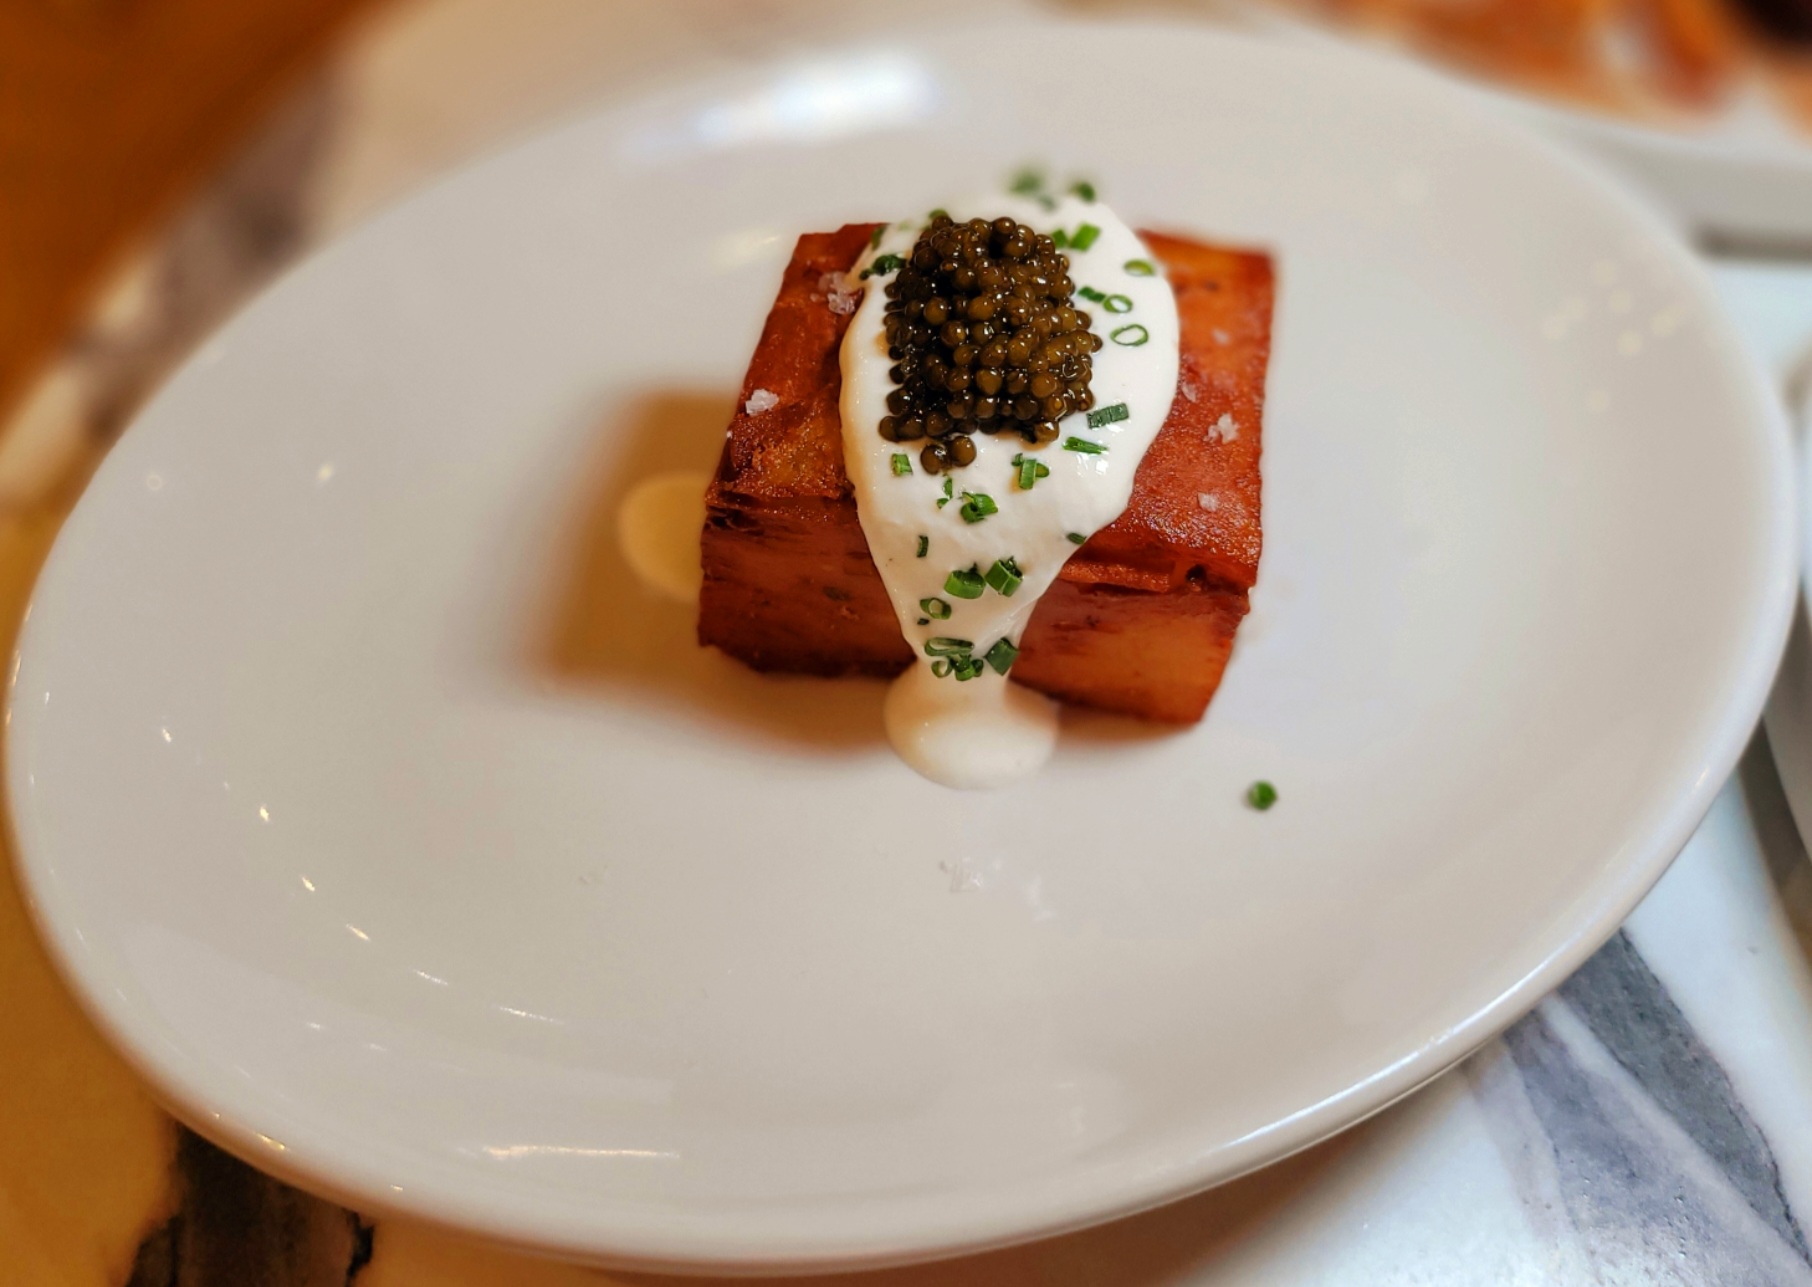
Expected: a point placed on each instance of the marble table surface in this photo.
(1649, 1123)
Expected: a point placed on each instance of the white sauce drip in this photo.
(985, 732)
(659, 528)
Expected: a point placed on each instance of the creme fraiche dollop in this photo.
(967, 551)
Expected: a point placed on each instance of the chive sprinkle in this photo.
(953, 657)
(1090, 293)
(1131, 335)
(1004, 576)
(936, 608)
(1261, 795)
(1001, 655)
(1083, 445)
(977, 506)
(1060, 239)
(874, 238)
(883, 265)
(949, 492)
(1030, 471)
(965, 583)
(924, 546)
(1113, 303)
(1141, 268)
(939, 213)
(1084, 237)
(1084, 189)
(1027, 181)
(1106, 415)
(902, 463)
(1077, 538)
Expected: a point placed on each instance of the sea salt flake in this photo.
(1220, 336)
(761, 400)
(838, 293)
(1226, 429)
(1208, 501)
(1188, 390)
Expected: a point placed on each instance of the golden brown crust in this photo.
(795, 449)
(1143, 617)
(1209, 445)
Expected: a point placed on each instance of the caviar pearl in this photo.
(939, 323)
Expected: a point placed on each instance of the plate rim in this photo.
(353, 1182)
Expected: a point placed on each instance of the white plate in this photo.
(625, 953)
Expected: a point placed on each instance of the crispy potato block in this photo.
(1141, 620)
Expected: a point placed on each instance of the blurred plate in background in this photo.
(1736, 173)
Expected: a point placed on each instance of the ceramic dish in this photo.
(412, 850)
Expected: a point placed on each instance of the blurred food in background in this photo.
(1669, 62)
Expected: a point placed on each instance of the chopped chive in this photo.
(1113, 303)
(1141, 268)
(977, 506)
(1046, 200)
(1030, 471)
(1084, 237)
(1027, 181)
(1001, 656)
(965, 583)
(1131, 335)
(936, 608)
(939, 212)
(1261, 795)
(874, 238)
(1104, 416)
(902, 463)
(1077, 538)
(1004, 576)
(1090, 293)
(924, 546)
(1083, 445)
(1084, 189)
(1060, 239)
(949, 493)
(953, 657)
(882, 265)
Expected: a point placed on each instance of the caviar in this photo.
(984, 337)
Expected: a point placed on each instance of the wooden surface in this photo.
(109, 111)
